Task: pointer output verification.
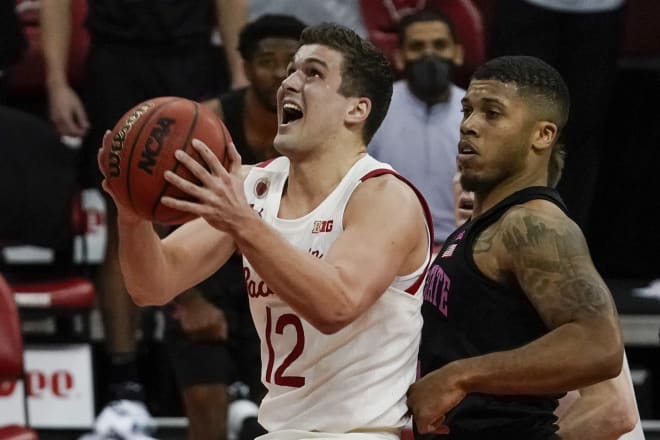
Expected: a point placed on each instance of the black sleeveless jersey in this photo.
(174, 23)
(233, 109)
(467, 314)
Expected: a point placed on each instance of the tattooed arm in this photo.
(535, 248)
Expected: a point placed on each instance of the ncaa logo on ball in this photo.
(154, 144)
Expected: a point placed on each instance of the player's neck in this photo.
(312, 180)
(485, 200)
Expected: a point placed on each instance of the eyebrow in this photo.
(315, 60)
(465, 100)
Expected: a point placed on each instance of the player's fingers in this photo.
(183, 205)
(233, 158)
(439, 427)
(209, 157)
(107, 137)
(427, 424)
(185, 185)
(193, 166)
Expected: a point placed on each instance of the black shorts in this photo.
(118, 77)
(238, 359)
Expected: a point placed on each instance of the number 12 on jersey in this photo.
(287, 319)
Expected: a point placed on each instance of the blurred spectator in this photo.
(381, 18)
(419, 135)
(139, 50)
(12, 42)
(37, 180)
(211, 338)
(312, 12)
(581, 39)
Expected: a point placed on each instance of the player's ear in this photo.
(545, 134)
(359, 110)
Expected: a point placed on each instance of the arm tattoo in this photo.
(552, 264)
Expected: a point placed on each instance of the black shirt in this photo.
(150, 22)
(467, 314)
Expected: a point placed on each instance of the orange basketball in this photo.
(141, 148)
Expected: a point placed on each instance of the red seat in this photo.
(11, 356)
(15, 432)
(66, 293)
(381, 22)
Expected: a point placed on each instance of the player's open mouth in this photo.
(466, 203)
(290, 113)
(465, 147)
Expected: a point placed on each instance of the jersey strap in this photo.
(427, 213)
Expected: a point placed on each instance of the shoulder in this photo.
(386, 197)
(264, 172)
(539, 232)
(538, 218)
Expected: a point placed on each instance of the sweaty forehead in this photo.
(319, 53)
(492, 91)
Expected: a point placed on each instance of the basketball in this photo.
(135, 156)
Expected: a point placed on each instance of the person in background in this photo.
(581, 39)
(13, 43)
(419, 135)
(139, 50)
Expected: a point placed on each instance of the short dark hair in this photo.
(541, 83)
(421, 16)
(268, 26)
(365, 71)
(535, 80)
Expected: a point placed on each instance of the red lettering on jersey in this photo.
(322, 226)
(256, 289)
(315, 253)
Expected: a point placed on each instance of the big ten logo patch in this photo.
(322, 226)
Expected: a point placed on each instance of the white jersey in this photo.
(354, 381)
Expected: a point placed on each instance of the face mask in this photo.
(429, 77)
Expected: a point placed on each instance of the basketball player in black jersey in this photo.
(515, 313)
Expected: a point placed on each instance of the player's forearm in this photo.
(55, 24)
(308, 284)
(570, 357)
(143, 263)
(593, 419)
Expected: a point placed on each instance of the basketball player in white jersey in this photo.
(335, 247)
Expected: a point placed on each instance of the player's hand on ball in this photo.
(124, 213)
(219, 197)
